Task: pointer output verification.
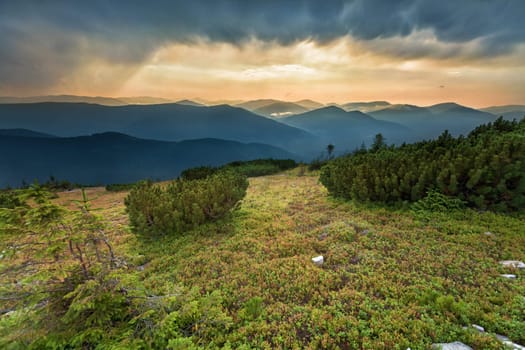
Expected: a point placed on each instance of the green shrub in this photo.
(261, 167)
(317, 163)
(253, 308)
(9, 199)
(437, 202)
(249, 168)
(75, 293)
(53, 184)
(183, 204)
(120, 187)
(486, 169)
(197, 173)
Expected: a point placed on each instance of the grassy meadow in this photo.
(393, 278)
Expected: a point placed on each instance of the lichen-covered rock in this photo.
(451, 346)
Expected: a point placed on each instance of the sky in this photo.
(406, 51)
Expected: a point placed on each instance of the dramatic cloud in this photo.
(55, 44)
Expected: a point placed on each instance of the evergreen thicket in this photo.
(183, 204)
(249, 168)
(120, 187)
(486, 169)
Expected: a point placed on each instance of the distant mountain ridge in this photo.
(23, 133)
(106, 101)
(277, 108)
(508, 112)
(305, 134)
(165, 122)
(346, 130)
(112, 157)
(365, 107)
(497, 110)
(190, 103)
(280, 109)
(431, 121)
(309, 104)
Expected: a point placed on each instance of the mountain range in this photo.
(113, 157)
(508, 112)
(107, 101)
(346, 130)
(429, 122)
(164, 122)
(54, 133)
(365, 107)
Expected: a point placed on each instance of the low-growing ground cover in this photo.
(392, 278)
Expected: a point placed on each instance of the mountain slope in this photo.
(365, 107)
(380, 265)
(107, 101)
(190, 103)
(508, 112)
(498, 110)
(309, 104)
(23, 133)
(116, 158)
(254, 104)
(144, 100)
(430, 122)
(346, 130)
(280, 109)
(166, 122)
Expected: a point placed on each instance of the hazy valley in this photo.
(254, 129)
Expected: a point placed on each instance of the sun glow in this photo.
(342, 70)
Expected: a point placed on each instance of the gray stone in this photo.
(509, 343)
(478, 328)
(318, 260)
(509, 276)
(513, 263)
(451, 346)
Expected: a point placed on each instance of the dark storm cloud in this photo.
(47, 38)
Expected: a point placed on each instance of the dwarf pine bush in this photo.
(486, 169)
(249, 168)
(183, 204)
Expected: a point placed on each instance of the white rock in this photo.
(509, 276)
(451, 346)
(513, 263)
(478, 328)
(488, 233)
(318, 260)
(509, 343)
